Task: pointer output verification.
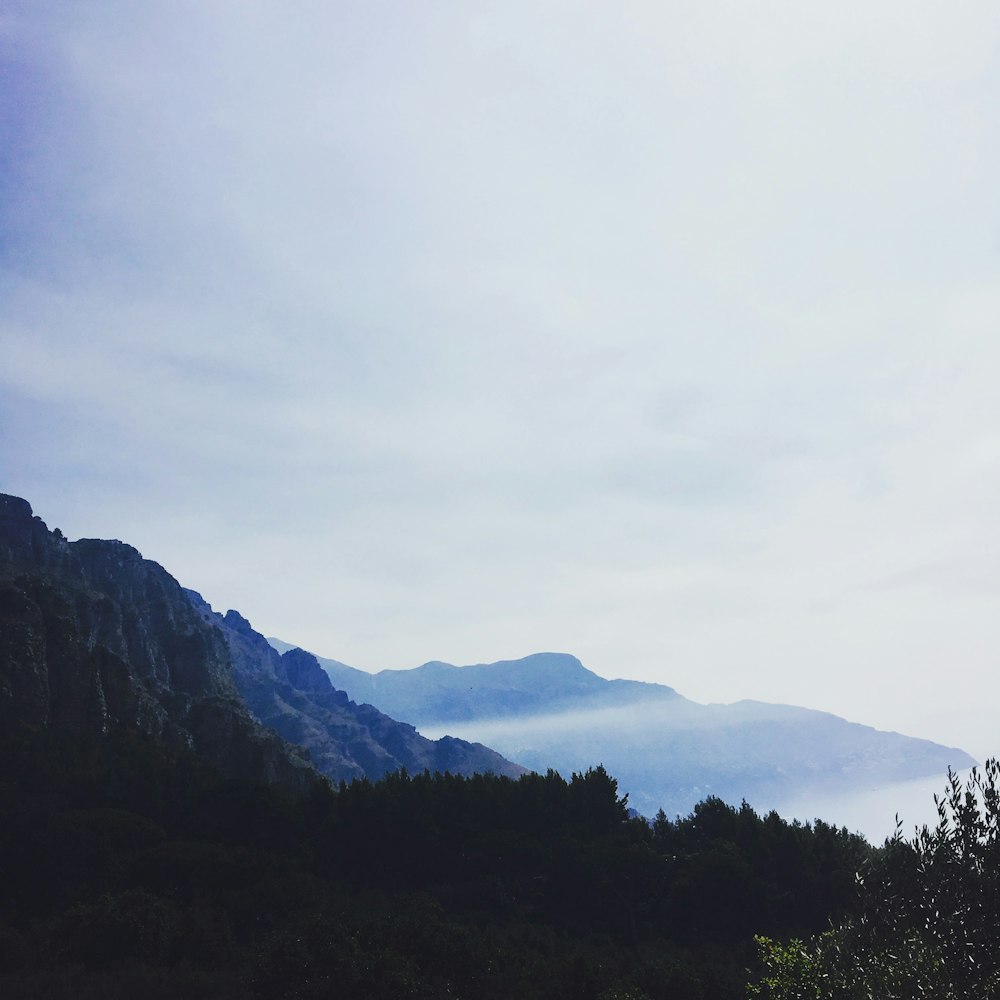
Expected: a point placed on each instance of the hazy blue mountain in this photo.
(672, 754)
(294, 696)
(548, 710)
(439, 693)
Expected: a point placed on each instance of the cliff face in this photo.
(94, 637)
(293, 695)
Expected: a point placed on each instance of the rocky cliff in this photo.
(293, 695)
(95, 637)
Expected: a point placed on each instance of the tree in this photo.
(928, 923)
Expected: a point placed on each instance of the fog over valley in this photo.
(661, 334)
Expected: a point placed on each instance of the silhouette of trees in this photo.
(928, 915)
(133, 869)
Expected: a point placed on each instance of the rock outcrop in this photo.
(293, 695)
(97, 638)
(94, 637)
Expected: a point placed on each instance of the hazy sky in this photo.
(666, 333)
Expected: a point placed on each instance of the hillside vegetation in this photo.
(132, 868)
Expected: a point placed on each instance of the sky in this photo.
(662, 333)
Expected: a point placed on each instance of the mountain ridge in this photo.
(95, 637)
(666, 750)
(437, 692)
(291, 693)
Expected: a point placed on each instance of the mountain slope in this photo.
(293, 695)
(439, 693)
(674, 754)
(548, 710)
(96, 638)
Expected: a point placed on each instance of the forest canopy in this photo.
(133, 868)
(130, 867)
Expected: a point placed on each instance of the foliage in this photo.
(928, 914)
(128, 868)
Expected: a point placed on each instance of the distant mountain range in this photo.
(95, 638)
(291, 694)
(439, 693)
(548, 710)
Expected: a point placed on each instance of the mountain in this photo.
(548, 710)
(292, 694)
(438, 693)
(95, 638)
(673, 754)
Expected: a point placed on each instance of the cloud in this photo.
(658, 334)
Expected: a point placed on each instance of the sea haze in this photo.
(805, 765)
(549, 711)
(873, 811)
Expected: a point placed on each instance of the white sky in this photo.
(666, 334)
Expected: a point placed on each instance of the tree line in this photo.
(131, 868)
